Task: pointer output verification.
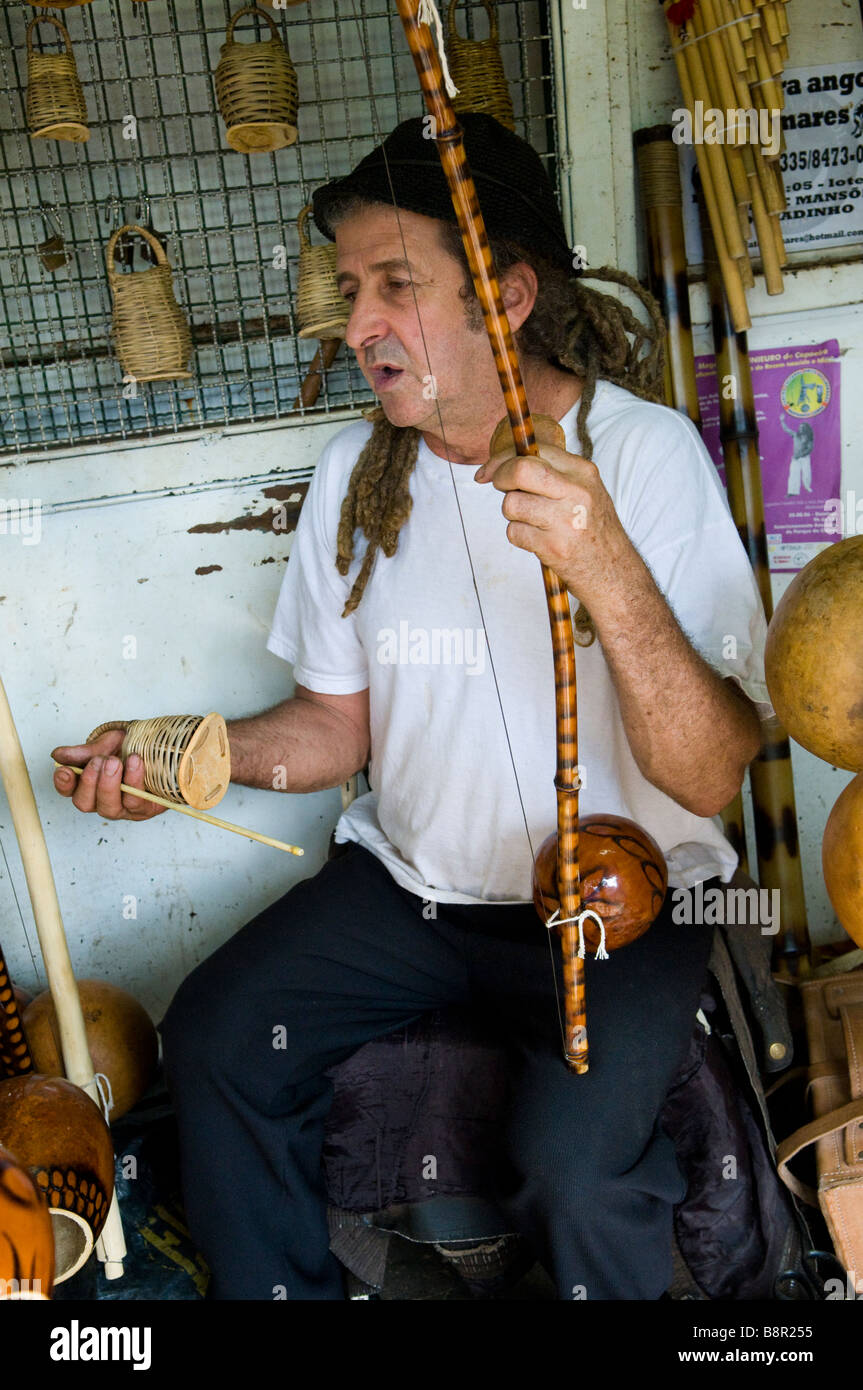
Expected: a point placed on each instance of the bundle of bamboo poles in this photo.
(730, 55)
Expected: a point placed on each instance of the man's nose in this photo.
(366, 324)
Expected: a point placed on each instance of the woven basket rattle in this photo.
(56, 109)
(186, 756)
(150, 331)
(256, 88)
(322, 312)
(476, 68)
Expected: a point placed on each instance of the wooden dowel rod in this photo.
(715, 65)
(713, 17)
(730, 270)
(771, 93)
(766, 243)
(770, 181)
(771, 22)
(731, 35)
(199, 815)
(740, 184)
(781, 253)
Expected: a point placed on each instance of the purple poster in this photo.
(797, 409)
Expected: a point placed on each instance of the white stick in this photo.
(199, 815)
(52, 939)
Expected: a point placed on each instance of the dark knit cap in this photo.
(515, 195)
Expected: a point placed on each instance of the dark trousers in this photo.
(347, 956)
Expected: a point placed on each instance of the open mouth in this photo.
(383, 377)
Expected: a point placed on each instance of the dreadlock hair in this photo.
(577, 329)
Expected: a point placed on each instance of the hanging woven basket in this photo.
(321, 311)
(150, 331)
(56, 109)
(256, 88)
(476, 68)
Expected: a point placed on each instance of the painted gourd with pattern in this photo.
(26, 1235)
(623, 877)
(58, 1133)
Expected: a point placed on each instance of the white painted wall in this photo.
(117, 559)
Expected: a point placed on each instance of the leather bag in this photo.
(833, 1012)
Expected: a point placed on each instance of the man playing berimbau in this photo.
(406, 528)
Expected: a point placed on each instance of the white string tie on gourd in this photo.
(555, 920)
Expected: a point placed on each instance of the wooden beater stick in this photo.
(111, 1246)
(198, 815)
(313, 380)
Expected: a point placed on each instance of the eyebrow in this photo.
(396, 263)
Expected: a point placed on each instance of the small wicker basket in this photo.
(321, 311)
(256, 88)
(56, 109)
(476, 68)
(150, 331)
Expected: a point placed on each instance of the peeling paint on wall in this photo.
(282, 517)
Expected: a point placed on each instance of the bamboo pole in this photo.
(730, 268)
(781, 253)
(770, 773)
(111, 1246)
(764, 225)
(693, 81)
(662, 205)
(731, 33)
(711, 18)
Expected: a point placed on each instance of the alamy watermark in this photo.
(434, 646)
(21, 516)
(843, 517)
(726, 906)
(738, 125)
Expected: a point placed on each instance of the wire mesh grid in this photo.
(157, 156)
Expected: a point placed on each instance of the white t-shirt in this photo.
(445, 811)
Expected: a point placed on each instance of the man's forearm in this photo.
(298, 746)
(690, 733)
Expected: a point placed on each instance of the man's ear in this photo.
(519, 287)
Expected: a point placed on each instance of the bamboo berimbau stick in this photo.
(770, 773)
(662, 201)
(662, 205)
(111, 1246)
(199, 815)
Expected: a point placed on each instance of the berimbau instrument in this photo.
(624, 867)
